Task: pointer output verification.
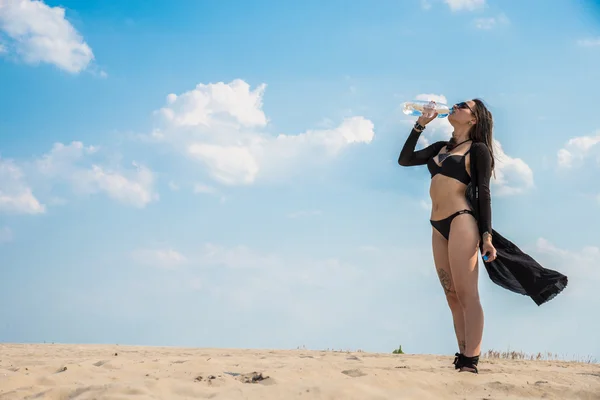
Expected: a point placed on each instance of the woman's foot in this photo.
(467, 364)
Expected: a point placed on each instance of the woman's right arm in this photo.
(409, 157)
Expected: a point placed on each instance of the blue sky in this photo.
(224, 174)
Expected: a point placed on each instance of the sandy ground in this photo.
(53, 371)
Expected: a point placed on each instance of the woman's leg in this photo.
(462, 251)
(442, 265)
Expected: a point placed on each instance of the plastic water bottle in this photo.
(420, 107)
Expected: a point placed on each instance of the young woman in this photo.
(458, 233)
(461, 218)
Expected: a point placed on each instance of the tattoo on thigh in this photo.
(445, 280)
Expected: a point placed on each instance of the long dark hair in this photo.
(482, 131)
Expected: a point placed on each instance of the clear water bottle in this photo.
(420, 107)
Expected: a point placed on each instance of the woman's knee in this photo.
(467, 297)
(453, 301)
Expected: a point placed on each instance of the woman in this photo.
(461, 222)
(455, 233)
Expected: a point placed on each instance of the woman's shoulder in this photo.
(480, 148)
(436, 147)
(481, 156)
(479, 145)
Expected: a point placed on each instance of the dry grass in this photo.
(332, 350)
(493, 354)
(548, 356)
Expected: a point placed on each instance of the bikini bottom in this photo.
(443, 225)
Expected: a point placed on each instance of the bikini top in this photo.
(451, 165)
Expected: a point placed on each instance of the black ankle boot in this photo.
(457, 359)
(467, 362)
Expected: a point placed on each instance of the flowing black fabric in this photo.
(513, 269)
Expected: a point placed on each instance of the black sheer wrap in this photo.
(513, 269)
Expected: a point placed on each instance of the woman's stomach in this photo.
(447, 196)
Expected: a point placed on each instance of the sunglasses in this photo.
(464, 105)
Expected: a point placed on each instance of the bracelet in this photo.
(486, 234)
(419, 127)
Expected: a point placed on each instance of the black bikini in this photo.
(451, 165)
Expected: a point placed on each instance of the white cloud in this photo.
(61, 158)
(160, 258)
(222, 126)
(213, 103)
(565, 158)
(468, 5)
(590, 42)
(6, 234)
(130, 187)
(230, 165)
(513, 175)
(71, 163)
(491, 22)
(15, 196)
(577, 149)
(439, 98)
(41, 34)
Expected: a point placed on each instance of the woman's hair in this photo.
(482, 130)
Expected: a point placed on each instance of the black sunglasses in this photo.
(463, 104)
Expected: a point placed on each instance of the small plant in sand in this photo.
(398, 350)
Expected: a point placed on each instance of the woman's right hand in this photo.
(429, 114)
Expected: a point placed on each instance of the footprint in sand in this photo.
(100, 363)
(354, 373)
(252, 377)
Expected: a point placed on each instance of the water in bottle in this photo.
(420, 107)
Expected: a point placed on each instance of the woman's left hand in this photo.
(488, 250)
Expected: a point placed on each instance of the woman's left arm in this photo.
(483, 159)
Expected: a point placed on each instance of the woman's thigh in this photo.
(442, 262)
(463, 247)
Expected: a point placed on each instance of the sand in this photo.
(58, 371)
